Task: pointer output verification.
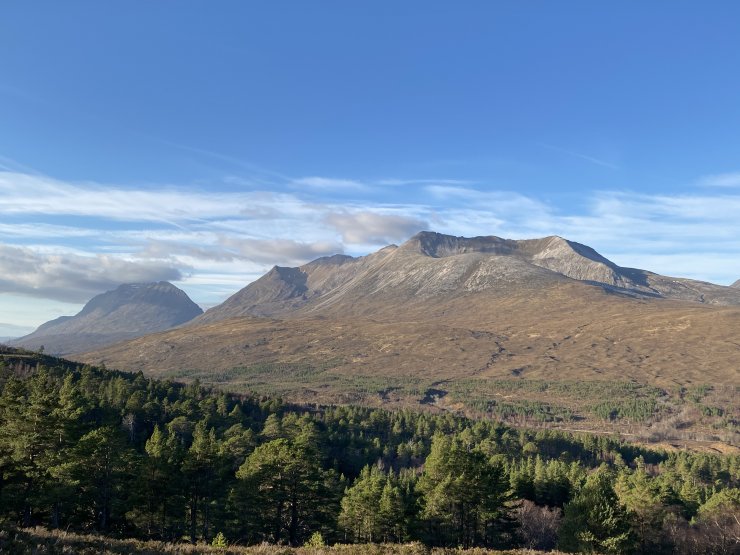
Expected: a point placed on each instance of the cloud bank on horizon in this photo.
(67, 242)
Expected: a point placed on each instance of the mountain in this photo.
(432, 265)
(736, 284)
(463, 323)
(129, 311)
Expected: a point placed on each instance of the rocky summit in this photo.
(127, 312)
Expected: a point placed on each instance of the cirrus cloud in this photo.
(721, 180)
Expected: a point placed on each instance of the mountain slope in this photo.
(130, 311)
(736, 284)
(284, 290)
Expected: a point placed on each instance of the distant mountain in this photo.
(736, 284)
(130, 311)
(432, 265)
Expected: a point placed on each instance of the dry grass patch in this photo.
(42, 541)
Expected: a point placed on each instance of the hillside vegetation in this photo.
(539, 332)
(86, 449)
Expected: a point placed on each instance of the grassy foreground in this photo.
(40, 540)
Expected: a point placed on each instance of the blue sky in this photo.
(204, 142)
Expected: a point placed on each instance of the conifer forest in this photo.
(88, 450)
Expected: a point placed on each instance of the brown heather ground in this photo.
(42, 541)
(560, 350)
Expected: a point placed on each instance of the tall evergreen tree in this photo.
(29, 434)
(199, 468)
(465, 498)
(360, 517)
(595, 521)
(391, 512)
(104, 466)
(285, 480)
(645, 507)
(160, 485)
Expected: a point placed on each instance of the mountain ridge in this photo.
(431, 264)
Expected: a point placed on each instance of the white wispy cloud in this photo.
(364, 227)
(10, 165)
(702, 211)
(507, 205)
(27, 194)
(230, 249)
(280, 250)
(42, 230)
(720, 180)
(259, 173)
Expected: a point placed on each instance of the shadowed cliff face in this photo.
(129, 311)
(432, 267)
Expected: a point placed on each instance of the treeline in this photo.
(88, 449)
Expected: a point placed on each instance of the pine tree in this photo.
(269, 472)
(464, 496)
(69, 426)
(159, 485)
(595, 521)
(200, 467)
(103, 465)
(391, 513)
(641, 497)
(690, 496)
(360, 516)
(285, 480)
(29, 435)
